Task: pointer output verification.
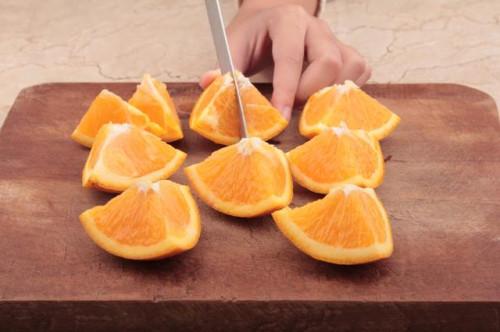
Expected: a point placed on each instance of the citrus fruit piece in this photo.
(246, 179)
(215, 114)
(108, 107)
(335, 156)
(152, 98)
(147, 221)
(348, 103)
(123, 154)
(347, 226)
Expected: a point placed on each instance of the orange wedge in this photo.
(346, 103)
(108, 107)
(215, 115)
(147, 221)
(338, 155)
(348, 226)
(152, 98)
(247, 179)
(123, 154)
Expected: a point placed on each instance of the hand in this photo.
(306, 54)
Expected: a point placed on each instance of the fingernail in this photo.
(286, 111)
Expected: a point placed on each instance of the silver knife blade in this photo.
(224, 55)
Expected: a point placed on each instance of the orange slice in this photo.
(338, 155)
(348, 226)
(215, 115)
(247, 179)
(123, 154)
(152, 98)
(348, 103)
(108, 107)
(147, 221)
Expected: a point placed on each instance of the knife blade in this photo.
(224, 55)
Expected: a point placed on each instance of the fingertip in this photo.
(208, 77)
(286, 112)
(284, 106)
(364, 77)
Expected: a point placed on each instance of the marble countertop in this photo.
(454, 41)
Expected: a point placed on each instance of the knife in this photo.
(224, 55)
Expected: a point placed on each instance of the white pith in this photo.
(248, 145)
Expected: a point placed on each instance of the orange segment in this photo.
(247, 179)
(337, 155)
(346, 103)
(109, 108)
(152, 97)
(147, 221)
(123, 154)
(215, 115)
(348, 226)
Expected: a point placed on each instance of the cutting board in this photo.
(441, 191)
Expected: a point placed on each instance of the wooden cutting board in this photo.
(441, 190)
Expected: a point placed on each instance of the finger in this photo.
(353, 64)
(208, 77)
(250, 49)
(325, 60)
(288, 36)
(364, 77)
(239, 47)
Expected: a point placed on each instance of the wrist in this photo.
(251, 6)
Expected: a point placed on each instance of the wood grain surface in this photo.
(441, 190)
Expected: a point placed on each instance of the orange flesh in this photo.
(259, 117)
(144, 218)
(95, 152)
(352, 155)
(149, 104)
(222, 116)
(243, 175)
(162, 90)
(259, 112)
(206, 97)
(345, 222)
(137, 155)
(318, 106)
(227, 120)
(359, 111)
(134, 154)
(108, 107)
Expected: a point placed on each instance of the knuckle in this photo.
(368, 71)
(290, 17)
(294, 9)
(290, 12)
(357, 66)
(289, 59)
(331, 62)
(322, 24)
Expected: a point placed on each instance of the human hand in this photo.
(306, 54)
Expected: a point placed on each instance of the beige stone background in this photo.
(118, 40)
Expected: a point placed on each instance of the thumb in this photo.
(208, 77)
